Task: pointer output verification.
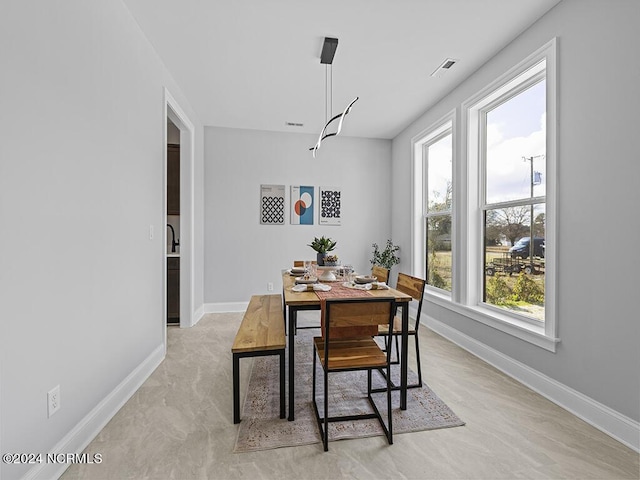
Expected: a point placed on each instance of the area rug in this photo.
(262, 429)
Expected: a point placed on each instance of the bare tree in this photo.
(538, 225)
(492, 231)
(512, 222)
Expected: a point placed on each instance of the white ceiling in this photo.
(256, 64)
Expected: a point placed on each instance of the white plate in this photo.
(321, 287)
(367, 286)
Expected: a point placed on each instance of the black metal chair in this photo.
(415, 287)
(347, 344)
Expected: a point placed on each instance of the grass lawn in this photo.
(441, 266)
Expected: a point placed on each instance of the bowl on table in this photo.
(361, 279)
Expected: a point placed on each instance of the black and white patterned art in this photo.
(272, 204)
(330, 206)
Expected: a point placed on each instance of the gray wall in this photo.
(598, 172)
(242, 256)
(81, 180)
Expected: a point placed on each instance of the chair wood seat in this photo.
(350, 354)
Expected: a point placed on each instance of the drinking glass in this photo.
(348, 273)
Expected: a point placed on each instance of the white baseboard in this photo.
(225, 307)
(89, 427)
(622, 428)
(197, 315)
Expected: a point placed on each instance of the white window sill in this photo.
(505, 323)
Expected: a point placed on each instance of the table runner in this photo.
(340, 291)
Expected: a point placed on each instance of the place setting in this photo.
(365, 282)
(297, 271)
(311, 287)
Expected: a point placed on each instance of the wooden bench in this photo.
(261, 333)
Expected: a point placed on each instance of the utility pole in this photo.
(531, 240)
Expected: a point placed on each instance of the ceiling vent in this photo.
(444, 66)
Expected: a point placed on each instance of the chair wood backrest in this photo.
(413, 286)
(300, 263)
(381, 273)
(355, 318)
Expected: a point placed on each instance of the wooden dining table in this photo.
(311, 300)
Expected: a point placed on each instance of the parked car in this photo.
(521, 247)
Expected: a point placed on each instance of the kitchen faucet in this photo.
(174, 244)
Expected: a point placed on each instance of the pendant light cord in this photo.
(328, 92)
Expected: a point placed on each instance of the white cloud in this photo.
(508, 174)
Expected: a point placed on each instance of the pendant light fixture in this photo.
(326, 57)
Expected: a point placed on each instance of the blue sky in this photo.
(516, 129)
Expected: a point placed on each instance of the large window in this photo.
(436, 164)
(513, 210)
(439, 200)
(485, 234)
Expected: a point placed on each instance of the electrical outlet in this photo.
(53, 400)
(270, 286)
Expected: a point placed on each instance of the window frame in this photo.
(500, 96)
(469, 200)
(420, 143)
(434, 137)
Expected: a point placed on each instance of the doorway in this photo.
(179, 131)
(172, 246)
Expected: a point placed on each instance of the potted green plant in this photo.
(322, 245)
(386, 258)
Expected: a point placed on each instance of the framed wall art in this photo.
(330, 206)
(272, 204)
(302, 205)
